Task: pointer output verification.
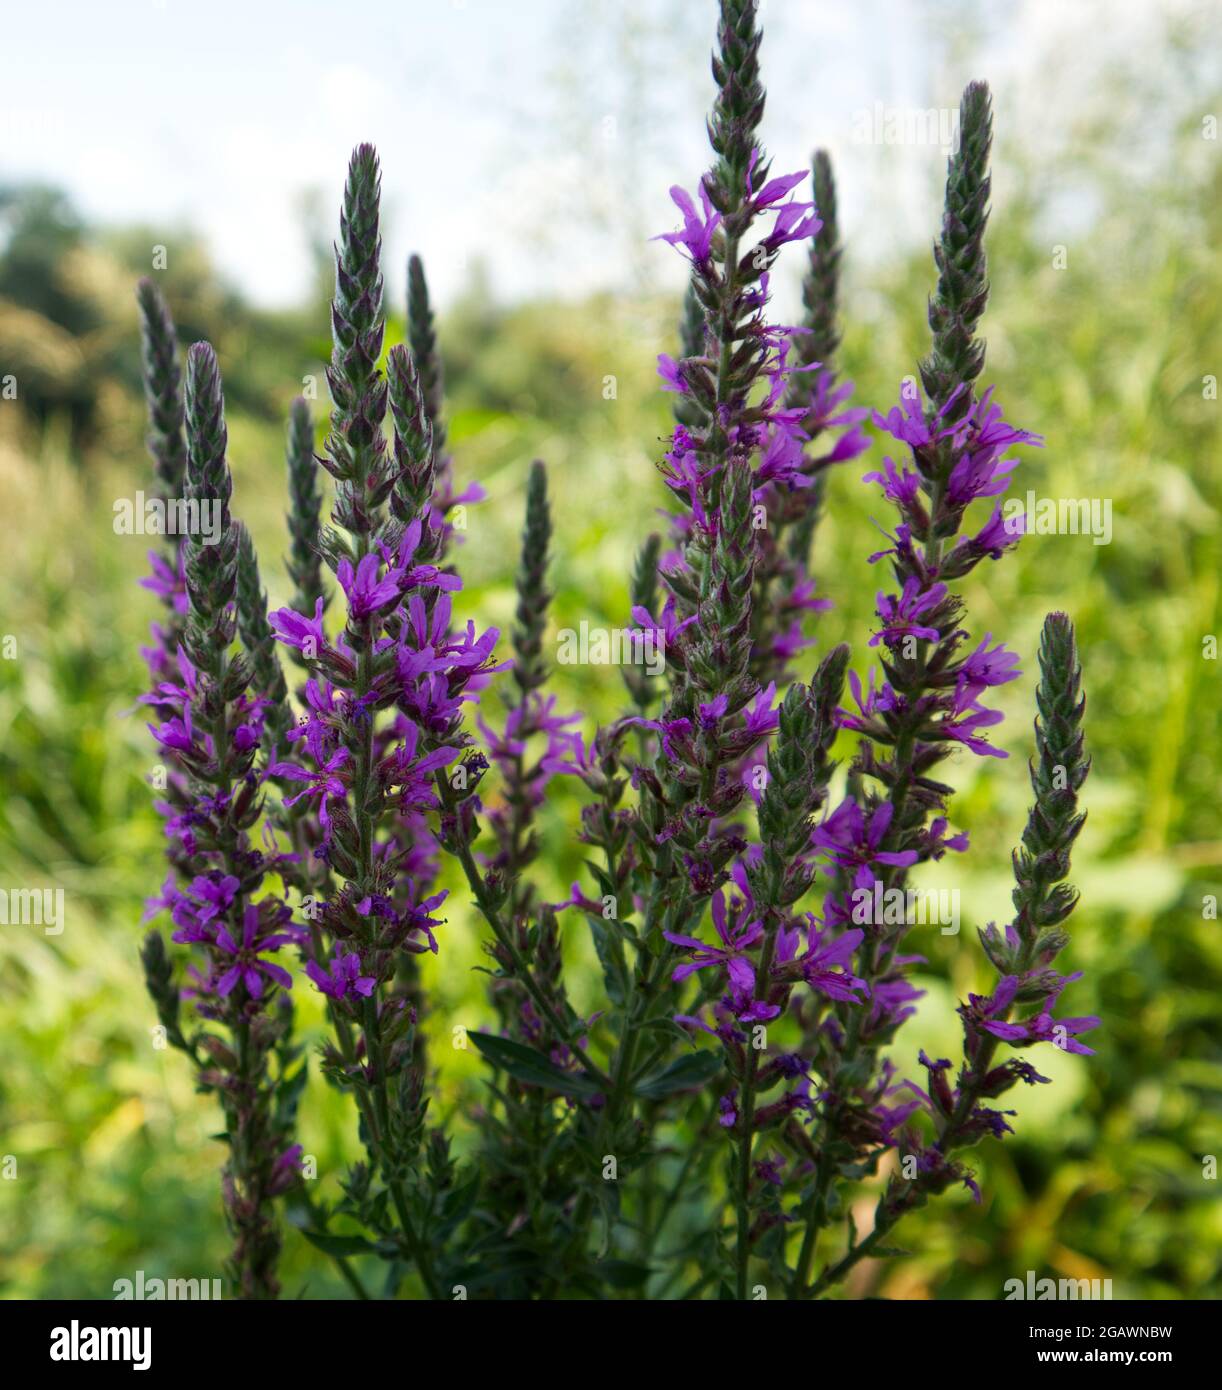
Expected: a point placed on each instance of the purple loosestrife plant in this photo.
(743, 1063)
(928, 702)
(211, 731)
(738, 466)
(383, 723)
(530, 717)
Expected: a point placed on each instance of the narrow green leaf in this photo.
(530, 1067)
(611, 958)
(340, 1245)
(684, 1074)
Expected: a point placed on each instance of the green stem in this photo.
(522, 971)
(381, 1099)
(746, 1120)
(351, 1278)
(381, 1132)
(836, 1272)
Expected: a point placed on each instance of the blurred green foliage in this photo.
(1111, 358)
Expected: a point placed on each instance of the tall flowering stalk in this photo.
(212, 732)
(717, 468)
(530, 716)
(383, 720)
(418, 406)
(666, 858)
(928, 703)
(738, 462)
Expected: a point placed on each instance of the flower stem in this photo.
(522, 971)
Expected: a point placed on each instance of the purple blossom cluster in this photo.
(394, 656)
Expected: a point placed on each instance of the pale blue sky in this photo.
(513, 131)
